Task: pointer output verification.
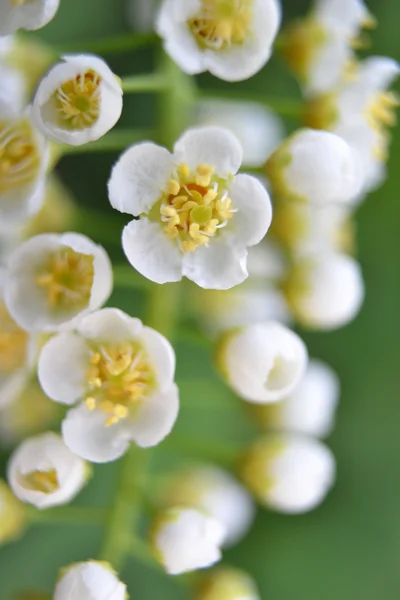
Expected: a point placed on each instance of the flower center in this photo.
(195, 207)
(67, 278)
(19, 158)
(78, 100)
(119, 377)
(41, 481)
(380, 115)
(13, 343)
(221, 23)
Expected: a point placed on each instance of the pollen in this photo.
(41, 481)
(77, 101)
(381, 115)
(119, 377)
(19, 157)
(222, 23)
(13, 343)
(195, 207)
(67, 278)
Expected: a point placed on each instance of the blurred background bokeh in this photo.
(350, 546)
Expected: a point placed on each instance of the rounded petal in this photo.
(212, 146)
(89, 580)
(151, 252)
(254, 215)
(111, 325)
(28, 15)
(161, 355)
(139, 178)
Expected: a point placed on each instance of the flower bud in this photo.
(13, 515)
(227, 583)
(89, 579)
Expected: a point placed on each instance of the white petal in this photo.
(212, 146)
(89, 580)
(110, 325)
(62, 368)
(254, 215)
(151, 252)
(161, 355)
(139, 178)
(29, 15)
(11, 386)
(346, 16)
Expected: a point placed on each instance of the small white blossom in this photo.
(196, 217)
(310, 408)
(78, 101)
(315, 167)
(88, 581)
(325, 291)
(227, 583)
(26, 14)
(23, 162)
(258, 129)
(215, 492)
(124, 374)
(53, 279)
(42, 471)
(185, 539)
(289, 473)
(13, 515)
(232, 39)
(263, 362)
(141, 14)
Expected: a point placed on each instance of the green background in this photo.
(349, 548)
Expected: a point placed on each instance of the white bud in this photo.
(89, 580)
(227, 583)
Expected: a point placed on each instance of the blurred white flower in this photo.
(6, 46)
(13, 514)
(53, 279)
(12, 88)
(232, 39)
(42, 471)
(310, 408)
(289, 473)
(258, 129)
(26, 14)
(263, 362)
(141, 14)
(215, 492)
(78, 101)
(196, 219)
(227, 583)
(89, 580)
(315, 167)
(325, 291)
(185, 539)
(23, 162)
(123, 372)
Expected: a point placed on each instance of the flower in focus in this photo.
(13, 515)
(184, 539)
(78, 101)
(26, 14)
(258, 129)
(289, 473)
(87, 580)
(53, 279)
(196, 217)
(320, 48)
(215, 492)
(325, 291)
(227, 583)
(44, 472)
(123, 372)
(361, 112)
(23, 162)
(314, 167)
(263, 362)
(309, 409)
(232, 39)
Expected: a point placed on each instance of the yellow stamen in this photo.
(41, 481)
(77, 101)
(13, 343)
(222, 23)
(19, 155)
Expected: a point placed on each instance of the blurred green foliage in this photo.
(349, 548)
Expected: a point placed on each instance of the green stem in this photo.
(224, 453)
(285, 107)
(163, 308)
(71, 515)
(113, 45)
(153, 82)
(116, 140)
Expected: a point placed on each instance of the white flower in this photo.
(44, 472)
(258, 129)
(89, 580)
(310, 408)
(215, 492)
(289, 473)
(26, 14)
(123, 372)
(53, 279)
(78, 101)
(6, 46)
(23, 162)
(227, 583)
(315, 167)
(325, 291)
(13, 515)
(196, 217)
(232, 39)
(263, 362)
(141, 14)
(12, 88)
(185, 539)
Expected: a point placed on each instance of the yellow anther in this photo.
(221, 23)
(112, 421)
(205, 170)
(189, 205)
(121, 411)
(41, 481)
(174, 187)
(77, 100)
(168, 211)
(188, 246)
(203, 180)
(194, 230)
(179, 201)
(209, 197)
(183, 171)
(90, 403)
(95, 358)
